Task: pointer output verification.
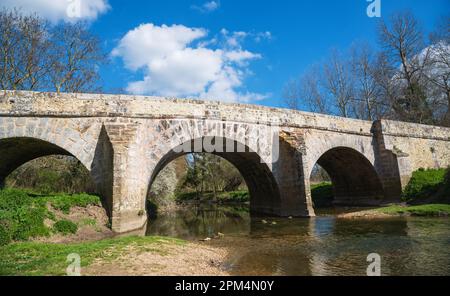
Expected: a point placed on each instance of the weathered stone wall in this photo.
(126, 140)
(77, 136)
(416, 146)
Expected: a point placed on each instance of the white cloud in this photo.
(263, 36)
(207, 6)
(176, 62)
(57, 10)
(235, 39)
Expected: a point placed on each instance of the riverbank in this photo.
(428, 210)
(39, 231)
(117, 256)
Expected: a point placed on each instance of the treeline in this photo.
(407, 79)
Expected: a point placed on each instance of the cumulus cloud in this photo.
(207, 6)
(57, 10)
(177, 62)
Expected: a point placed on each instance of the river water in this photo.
(324, 245)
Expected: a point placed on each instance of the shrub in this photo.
(65, 227)
(20, 217)
(5, 237)
(13, 199)
(65, 202)
(424, 184)
(22, 214)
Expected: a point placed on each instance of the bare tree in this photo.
(306, 92)
(292, 94)
(409, 79)
(403, 43)
(437, 71)
(368, 102)
(338, 83)
(76, 54)
(37, 56)
(24, 45)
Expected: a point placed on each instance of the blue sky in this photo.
(282, 38)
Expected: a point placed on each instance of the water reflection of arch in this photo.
(200, 221)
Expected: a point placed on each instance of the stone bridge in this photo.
(124, 141)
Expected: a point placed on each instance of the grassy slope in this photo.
(32, 258)
(422, 210)
(22, 213)
(428, 186)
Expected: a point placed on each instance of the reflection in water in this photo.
(318, 246)
(201, 221)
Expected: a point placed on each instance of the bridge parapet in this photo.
(39, 104)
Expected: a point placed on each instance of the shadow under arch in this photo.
(262, 186)
(15, 152)
(355, 180)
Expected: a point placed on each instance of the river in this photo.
(324, 245)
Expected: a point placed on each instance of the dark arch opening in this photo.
(354, 179)
(15, 152)
(261, 184)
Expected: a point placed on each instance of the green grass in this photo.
(322, 194)
(32, 258)
(425, 184)
(65, 227)
(422, 210)
(22, 213)
(65, 202)
(20, 217)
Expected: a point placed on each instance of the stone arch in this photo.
(263, 188)
(75, 136)
(25, 139)
(355, 180)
